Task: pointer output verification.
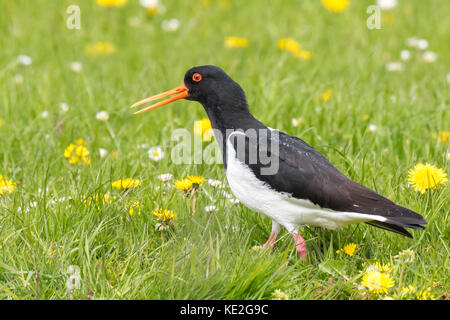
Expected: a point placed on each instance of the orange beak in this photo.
(180, 91)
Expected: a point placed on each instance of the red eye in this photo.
(196, 77)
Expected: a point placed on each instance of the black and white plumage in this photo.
(306, 189)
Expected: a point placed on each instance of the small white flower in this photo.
(227, 195)
(170, 25)
(429, 56)
(372, 127)
(155, 153)
(215, 183)
(18, 79)
(76, 66)
(44, 114)
(149, 4)
(64, 107)
(448, 155)
(210, 208)
(296, 122)
(24, 60)
(234, 201)
(387, 4)
(405, 55)
(102, 152)
(165, 177)
(422, 44)
(394, 66)
(102, 116)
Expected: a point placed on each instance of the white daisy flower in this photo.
(372, 127)
(296, 122)
(429, 56)
(412, 42)
(227, 195)
(149, 4)
(155, 153)
(215, 183)
(64, 107)
(102, 152)
(386, 4)
(76, 66)
(405, 55)
(165, 177)
(102, 116)
(24, 60)
(422, 44)
(394, 66)
(210, 208)
(170, 25)
(44, 114)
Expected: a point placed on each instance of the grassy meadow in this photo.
(373, 111)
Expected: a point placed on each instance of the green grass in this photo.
(209, 255)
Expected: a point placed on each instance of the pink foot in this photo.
(272, 238)
(300, 244)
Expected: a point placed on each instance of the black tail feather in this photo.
(391, 227)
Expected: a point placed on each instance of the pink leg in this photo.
(300, 244)
(272, 238)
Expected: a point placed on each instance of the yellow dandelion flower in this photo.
(425, 294)
(407, 290)
(183, 185)
(111, 3)
(279, 295)
(6, 185)
(336, 5)
(365, 117)
(350, 248)
(197, 181)
(377, 282)
(289, 44)
(236, 42)
(164, 214)
(326, 95)
(77, 153)
(444, 136)
(426, 176)
(303, 54)
(135, 207)
(126, 183)
(293, 46)
(203, 128)
(99, 48)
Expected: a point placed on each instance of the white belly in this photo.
(284, 209)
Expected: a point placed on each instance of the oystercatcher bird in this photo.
(278, 175)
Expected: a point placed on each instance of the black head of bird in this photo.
(209, 85)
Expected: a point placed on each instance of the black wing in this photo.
(305, 173)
